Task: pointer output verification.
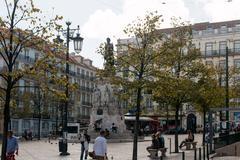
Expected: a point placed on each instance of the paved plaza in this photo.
(42, 150)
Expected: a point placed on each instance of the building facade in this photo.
(212, 39)
(25, 114)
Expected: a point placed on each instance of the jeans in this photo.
(82, 151)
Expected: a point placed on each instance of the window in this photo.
(222, 47)
(26, 124)
(87, 74)
(78, 70)
(88, 98)
(223, 29)
(209, 30)
(83, 71)
(15, 126)
(83, 97)
(237, 28)
(36, 56)
(83, 83)
(209, 48)
(88, 86)
(222, 64)
(26, 53)
(237, 46)
(237, 63)
(45, 126)
(21, 84)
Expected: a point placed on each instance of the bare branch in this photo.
(3, 76)
(1, 88)
(20, 19)
(7, 9)
(15, 56)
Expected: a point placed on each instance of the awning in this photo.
(133, 118)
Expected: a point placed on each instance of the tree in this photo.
(207, 93)
(134, 64)
(178, 67)
(21, 29)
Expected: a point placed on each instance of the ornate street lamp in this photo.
(77, 41)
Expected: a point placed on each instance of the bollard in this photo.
(200, 154)
(195, 154)
(183, 155)
(204, 156)
(170, 145)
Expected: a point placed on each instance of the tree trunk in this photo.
(204, 127)
(39, 124)
(176, 127)
(167, 123)
(6, 121)
(56, 127)
(136, 125)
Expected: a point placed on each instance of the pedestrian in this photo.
(30, 135)
(87, 140)
(82, 145)
(12, 146)
(100, 147)
(25, 135)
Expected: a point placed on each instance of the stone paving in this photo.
(42, 150)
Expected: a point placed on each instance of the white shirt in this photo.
(100, 146)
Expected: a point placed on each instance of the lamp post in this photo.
(77, 41)
(227, 91)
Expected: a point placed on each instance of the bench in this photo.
(154, 152)
(188, 145)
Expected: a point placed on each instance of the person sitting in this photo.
(154, 144)
(107, 133)
(160, 138)
(190, 138)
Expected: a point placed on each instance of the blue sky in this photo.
(99, 19)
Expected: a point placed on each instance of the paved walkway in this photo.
(42, 150)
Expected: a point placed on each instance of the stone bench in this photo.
(188, 145)
(154, 152)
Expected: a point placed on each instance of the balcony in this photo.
(25, 59)
(72, 73)
(86, 103)
(221, 52)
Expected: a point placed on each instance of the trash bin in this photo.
(62, 145)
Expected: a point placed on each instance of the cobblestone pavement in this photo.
(42, 150)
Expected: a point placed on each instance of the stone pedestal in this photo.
(105, 112)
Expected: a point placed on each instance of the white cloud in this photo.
(106, 23)
(221, 10)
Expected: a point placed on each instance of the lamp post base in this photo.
(64, 154)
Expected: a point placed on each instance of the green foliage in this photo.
(207, 93)
(134, 61)
(178, 66)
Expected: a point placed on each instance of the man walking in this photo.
(85, 140)
(12, 146)
(100, 147)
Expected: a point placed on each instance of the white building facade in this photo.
(81, 72)
(212, 40)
